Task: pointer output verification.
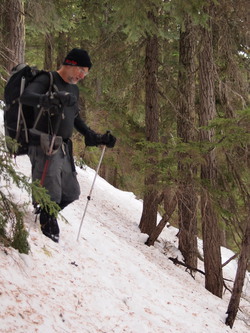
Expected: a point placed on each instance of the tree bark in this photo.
(150, 202)
(14, 33)
(210, 229)
(240, 275)
(48, 52)
(62, 48)
(187, 198)
(170, 202)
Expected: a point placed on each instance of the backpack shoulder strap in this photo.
(51, 78)
(50, 90)
(53, 84)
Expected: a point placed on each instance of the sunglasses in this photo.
(83, 72)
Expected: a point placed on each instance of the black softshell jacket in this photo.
(71, 118)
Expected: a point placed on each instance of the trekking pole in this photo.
(91, 189)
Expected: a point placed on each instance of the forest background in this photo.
(170, 79)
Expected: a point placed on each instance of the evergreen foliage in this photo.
(12, 229)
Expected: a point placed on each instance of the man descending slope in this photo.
(57, 114)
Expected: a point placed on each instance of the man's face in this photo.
(76, 73)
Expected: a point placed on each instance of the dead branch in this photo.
(192, 269)
(230, 259)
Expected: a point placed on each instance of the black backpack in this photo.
(18, 117)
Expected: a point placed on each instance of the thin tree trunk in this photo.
(187, 198)
(210, 229)
(150, 202)
(48, 52)
(240, 275)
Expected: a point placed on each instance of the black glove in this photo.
(48, 101)
(107, 139)
(57, 99)
(65, 98)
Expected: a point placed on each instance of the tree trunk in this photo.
(240, 275)
(210, 229)
(187, 198)
(62, 48)
(14, 33)
(48, 52)
(170, 202)
(150, 202)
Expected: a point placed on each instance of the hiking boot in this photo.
(49, 226)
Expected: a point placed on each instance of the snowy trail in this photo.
(109, 281)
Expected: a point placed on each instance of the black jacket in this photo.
(31, 96)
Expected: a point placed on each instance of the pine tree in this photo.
(207, 112)
(187, 193)
(13, 33)
(150, 201)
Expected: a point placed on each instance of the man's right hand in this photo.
(65, 98)
(57, 99)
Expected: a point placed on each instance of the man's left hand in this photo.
(108, 139)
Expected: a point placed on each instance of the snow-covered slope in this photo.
(108, 281)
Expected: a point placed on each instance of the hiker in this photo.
(59, 117)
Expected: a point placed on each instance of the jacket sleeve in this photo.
(91, 137)
(31, 95)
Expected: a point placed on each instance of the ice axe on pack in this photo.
(50, 145)
(91, 189)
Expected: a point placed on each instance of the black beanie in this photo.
(78, 57)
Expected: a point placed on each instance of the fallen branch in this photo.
(177, 262)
